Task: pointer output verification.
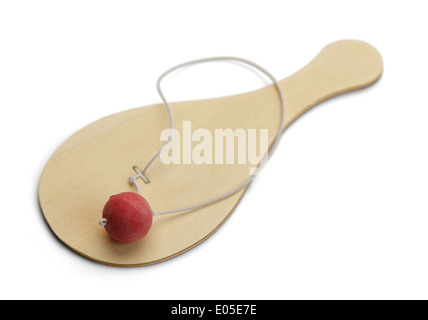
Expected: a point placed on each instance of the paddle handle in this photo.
(340, 67)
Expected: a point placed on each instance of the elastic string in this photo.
(171, 121)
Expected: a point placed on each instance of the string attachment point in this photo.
(133, 179)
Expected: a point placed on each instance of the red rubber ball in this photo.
(129, 217)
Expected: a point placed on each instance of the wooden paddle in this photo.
(97, 161)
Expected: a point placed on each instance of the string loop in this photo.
(141, 174)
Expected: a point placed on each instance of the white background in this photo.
(341, 211)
